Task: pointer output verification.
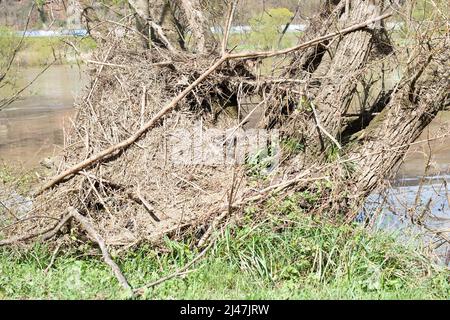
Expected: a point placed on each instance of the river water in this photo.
(32, 128)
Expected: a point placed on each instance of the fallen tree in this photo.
(119, 180)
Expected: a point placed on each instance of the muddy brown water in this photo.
(32, 129)
(436, 152)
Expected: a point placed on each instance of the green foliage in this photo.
(6, 175)
(266, 28)
(304, 104)
(292, 146)
(426, 9)
(333, 153)
(115, 3)
(40, 3)
(304, 259)
(19, 179)
(429, 15)
(261, 162)
(39, 51)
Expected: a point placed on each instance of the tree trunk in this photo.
(141, 7)
(340, 82)
(166, 23)
(379, 147)
(74, 13)
(306, 62)
(42, 14)
(333, 71)
(198, 25)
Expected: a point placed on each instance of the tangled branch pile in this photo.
(117, 169)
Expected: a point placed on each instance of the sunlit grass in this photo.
(305, 259)
(44, 50)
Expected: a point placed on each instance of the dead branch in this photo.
(319, 125)
(228, 26)
(162, 36)
(179, 272)
(86, 225)
(173, 104)
(46, 234)
(52, 260)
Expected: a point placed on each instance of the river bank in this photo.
(40, 51)
(307, 259)
(287, 254)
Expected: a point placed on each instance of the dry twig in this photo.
(86, 225)
(173, 104)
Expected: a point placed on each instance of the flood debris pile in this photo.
(147, 189)
(161, 143)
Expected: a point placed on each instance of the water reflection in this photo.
(415, 212)
(32, 128)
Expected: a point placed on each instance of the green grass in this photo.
(19, 179)
(40, 51)
(306, 259)
(43, 50)
(250, 42)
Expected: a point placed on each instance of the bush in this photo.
(8, 43)
(266, 28)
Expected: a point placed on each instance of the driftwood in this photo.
(86, 225)
(172, 105)
(140, 95)
(44, 234)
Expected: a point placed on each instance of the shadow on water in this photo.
(418, 209)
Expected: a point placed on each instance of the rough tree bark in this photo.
(332, 71)
(306, 62)
(339, 83)
(167, 22)
(416, 101)
(198, 24)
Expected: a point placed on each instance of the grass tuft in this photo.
(289, 257)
